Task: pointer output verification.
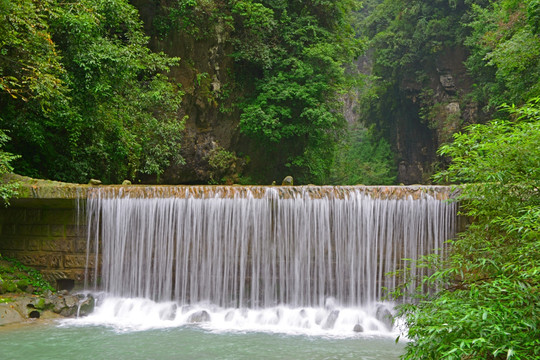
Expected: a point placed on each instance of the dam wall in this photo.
(46, 227)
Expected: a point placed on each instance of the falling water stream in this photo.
(313, 258)
(255, 272)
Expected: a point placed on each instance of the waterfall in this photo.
(259, 247)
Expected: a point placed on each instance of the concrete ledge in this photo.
(46, 189)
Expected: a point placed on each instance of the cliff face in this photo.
(427, 113)
(205, 75)
(423, 113)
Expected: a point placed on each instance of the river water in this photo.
(78, 340)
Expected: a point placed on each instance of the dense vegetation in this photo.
(489, 305)
(81, 94)
(294, 52)
(416, 42)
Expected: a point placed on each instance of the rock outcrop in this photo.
(17, 308)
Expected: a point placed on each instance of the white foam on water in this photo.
(137, 314)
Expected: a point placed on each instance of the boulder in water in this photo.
(199, 317)
(385, 316)
(358, 328)
(288, 181)
(168, 313)
(126, 182)
(331, 320)
(229, 316)
(86, 305)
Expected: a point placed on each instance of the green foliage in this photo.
(223, 166)
(505, 51)
(14, 277)
(292, 55)
(195, 18)
(7, 190)
(489, 305)
(361, 158)
(114, 114)
(407, 35)
(29, 64)
(407, 39)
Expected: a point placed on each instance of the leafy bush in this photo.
(361, 158)
(488, 305)
(82, 95)
(7, 190)
(15, 277)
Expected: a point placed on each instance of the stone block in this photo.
(52, 275)
(9, 229)
(33, 229)
(14, 216)
(34, 244)
(75, 231)
(39, 259)
(13, 244)
(78, 275)
(57, 231)
(79, 245)
(57, 245)
(32, 216)
(78, 261)
(58, 216)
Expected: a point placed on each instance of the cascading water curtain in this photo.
(260, 247)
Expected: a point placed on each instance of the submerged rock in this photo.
(358, 328)
(168, 313)
(86, 305)
(229, 316)
(385, 316)
(331, 320)
(199, 317)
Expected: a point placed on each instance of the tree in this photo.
(505, 51)
(361, 158)
(293, 55)
(115, 112)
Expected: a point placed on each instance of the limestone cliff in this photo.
(205, 74)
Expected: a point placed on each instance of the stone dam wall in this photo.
(45, 227)
(45, 234)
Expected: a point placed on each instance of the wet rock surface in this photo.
(199, 317)
(331, 320)
(19, 308)
(385, 316)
